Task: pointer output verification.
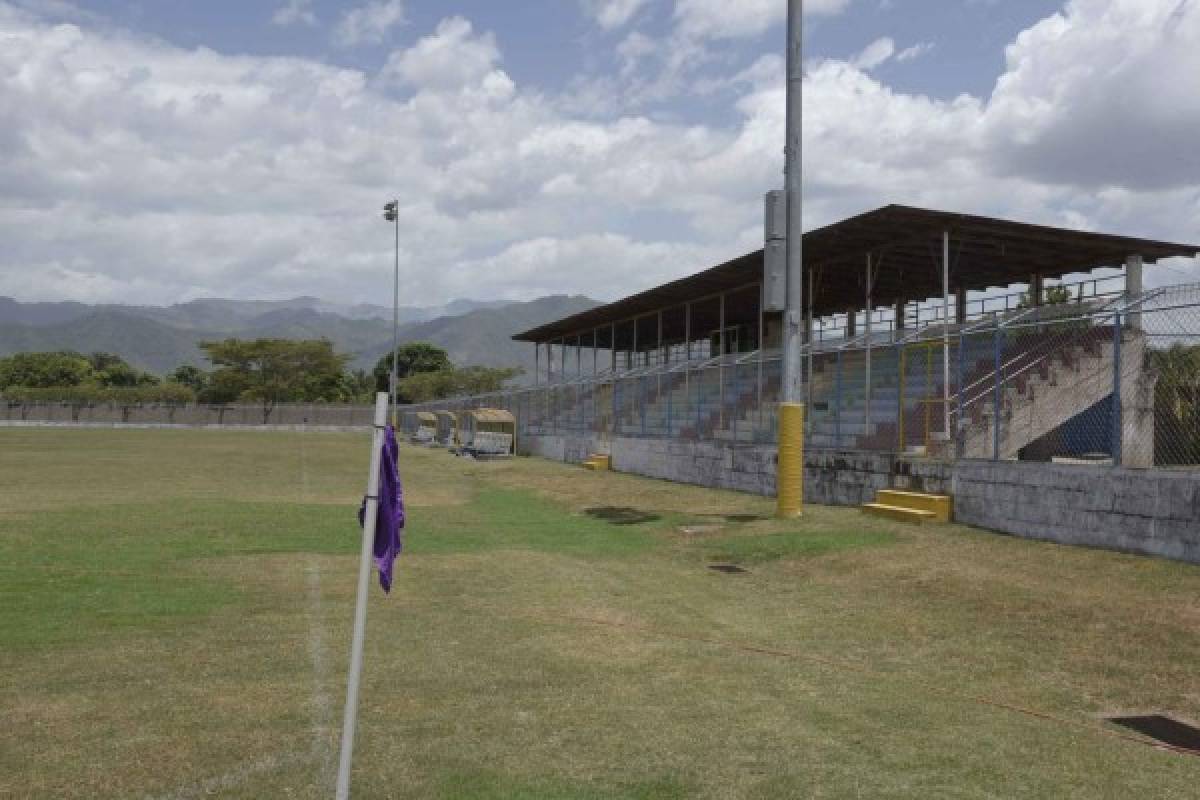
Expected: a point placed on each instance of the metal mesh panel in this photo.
(1102, 379)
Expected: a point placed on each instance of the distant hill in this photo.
(15, 313)
(484, 336)
(161, 338)
(143, 342)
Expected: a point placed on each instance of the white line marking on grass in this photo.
(322, 713)
(235, 777)
(321, 702)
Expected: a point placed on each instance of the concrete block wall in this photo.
(1149, 511)
(1154, 512)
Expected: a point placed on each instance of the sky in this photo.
(156, 151)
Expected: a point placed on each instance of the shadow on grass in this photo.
(622, 515)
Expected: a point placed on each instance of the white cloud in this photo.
(368, 24)
(611, 14)
(1104, 93)
(136, 171)
(451, 57)
(914, 52)
(874, 54)
(293, 12)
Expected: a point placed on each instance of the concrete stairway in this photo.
(1065, 383)
(914, 507)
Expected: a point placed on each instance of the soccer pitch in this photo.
(175, 609)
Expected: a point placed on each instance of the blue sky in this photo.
(549, 42)
(161, 150)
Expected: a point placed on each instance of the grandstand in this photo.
(996, 362)
(904, 345)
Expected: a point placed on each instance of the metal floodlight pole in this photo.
(391, 212)
(793, 366)
(789, 474)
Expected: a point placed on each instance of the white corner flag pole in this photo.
(349, 719)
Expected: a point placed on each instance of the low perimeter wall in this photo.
(1149, 511)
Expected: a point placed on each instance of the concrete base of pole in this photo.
(790, 469)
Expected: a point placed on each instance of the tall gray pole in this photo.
(395, 314)
(793, 362)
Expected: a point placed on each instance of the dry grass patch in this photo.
(552, 634)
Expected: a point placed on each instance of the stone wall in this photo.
(1155, 512)
(1151, 511)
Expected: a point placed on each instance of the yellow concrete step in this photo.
(941, 505)
(899, 513)
(597, 462)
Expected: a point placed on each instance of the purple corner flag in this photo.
(390, 519)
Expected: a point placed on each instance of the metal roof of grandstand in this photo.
(906, 246)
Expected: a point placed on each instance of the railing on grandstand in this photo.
(1101, 380)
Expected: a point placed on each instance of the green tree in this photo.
(360, 384)
(1176, 405)
(1051, 296)
(272, 371)
(190, 376)
(411, 358)
(44, 370)
(454, 382)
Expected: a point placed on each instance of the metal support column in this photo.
(867, 368)
(661, 361)
(900, 370)
(687, 359)
(962, 370)
(721, 364)
(762, 290)
(946, 332)
(810, 343)
(837, 412)
(996, 351)
(1117, 422)
(612, 354)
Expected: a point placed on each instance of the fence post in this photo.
(900, 375)
(642, 402)
(736, 397)
(962, 357)
(670, 402)
(1116, 395)
(996, 394)
(837, 408)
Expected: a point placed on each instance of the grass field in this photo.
(175, 610)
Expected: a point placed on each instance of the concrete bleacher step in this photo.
(916, 507)
(899, 513)
(598, 462)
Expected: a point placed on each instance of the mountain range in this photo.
(160, 338)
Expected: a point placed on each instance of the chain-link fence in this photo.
(1089, 378)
